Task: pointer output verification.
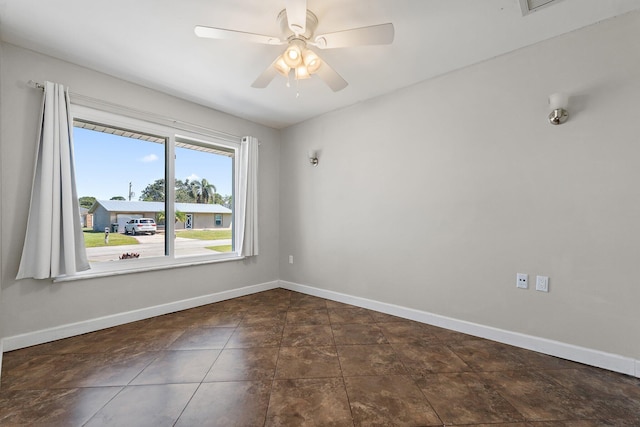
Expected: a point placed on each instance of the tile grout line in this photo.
(344, 381)
(206, 373)
(121, 389)
(275, 369)
(411, 377)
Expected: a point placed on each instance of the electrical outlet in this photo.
(290, 259)
(522, 280)
(542, 283)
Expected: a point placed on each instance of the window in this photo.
(202, 189)
(123, 165)
(529, 6)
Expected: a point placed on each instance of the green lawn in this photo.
(223, 248)
(96, 239)
(204, 234)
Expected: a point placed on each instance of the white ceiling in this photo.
(152, 43)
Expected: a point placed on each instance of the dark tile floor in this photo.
(280, 358)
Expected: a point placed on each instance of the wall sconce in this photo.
(313, 157)
(558, 103)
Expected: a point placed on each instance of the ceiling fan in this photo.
(298, 25)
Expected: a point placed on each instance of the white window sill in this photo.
(116, 268)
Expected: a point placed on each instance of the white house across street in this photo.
(114, 214)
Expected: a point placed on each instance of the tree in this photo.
(117, 198)
(180, 216)
(218, 199)
(86, 201)
(227, 202)
(196, 191)
(204, 190)
(153, 192)
(207, 190)
(192, 191)
(183, 191)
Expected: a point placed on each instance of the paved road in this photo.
(153, 246)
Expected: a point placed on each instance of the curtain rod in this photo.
(35, 85)
(87, 101)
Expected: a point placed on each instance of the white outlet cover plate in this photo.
(542, 283)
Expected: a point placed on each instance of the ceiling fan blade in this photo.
(372, 35)
(266, 77)
(223, 34)
(331, 78)
(297, 15)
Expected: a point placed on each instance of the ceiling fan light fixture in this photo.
(302, 72)
(298, 26)
(292, 56)
(281, 66)
(311, 60)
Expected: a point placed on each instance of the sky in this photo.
(105, 164)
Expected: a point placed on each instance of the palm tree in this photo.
(218, 199)
(193, 189)
(201, 191)
(207, 190)
(180, 216)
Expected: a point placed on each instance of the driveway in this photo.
(153, 246)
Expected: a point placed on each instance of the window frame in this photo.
(171, 131)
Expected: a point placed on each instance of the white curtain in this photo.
(247, 194)
(54, 244)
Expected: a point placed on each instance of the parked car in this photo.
(140, 225)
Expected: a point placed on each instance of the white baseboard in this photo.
(587, 356)
(600, 359)
(65, 331)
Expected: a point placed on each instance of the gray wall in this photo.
(30, 305)
(435, 196)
